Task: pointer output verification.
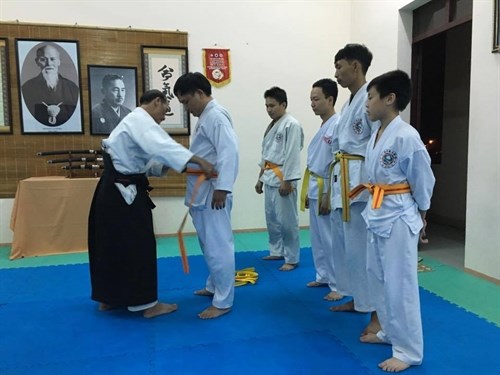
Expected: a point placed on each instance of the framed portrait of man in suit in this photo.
(49, 86)
(112, 96)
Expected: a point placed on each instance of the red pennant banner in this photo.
(217, 66)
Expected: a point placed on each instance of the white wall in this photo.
(482, 241)
(292, 44)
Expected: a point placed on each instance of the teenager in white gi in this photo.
(354, 131)
(121, 239)
(215, 139)
(316, 186)
(401, 182)
(280, 171)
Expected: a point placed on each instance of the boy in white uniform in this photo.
(354, 131)
(316, 186)
(215, 139)
(279, 172)
(401, 181)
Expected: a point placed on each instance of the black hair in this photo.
(357, 52)
(151, 95)
(188, 83)
(329, 88)
(396, 82)
(278, 94)
(108, 78)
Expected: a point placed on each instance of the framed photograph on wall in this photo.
(49, 86)
(496, 26)
(161, 66)
(112, 96)
(5, 119)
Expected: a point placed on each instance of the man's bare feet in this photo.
(105, 307)
(203, 292)
(393, 365)
(345, 307)
(371, 338)
(273, 257)
(288, 267)
(213, 312)
(374, 325)
(316, 284)
(160, 309)
(333, 296)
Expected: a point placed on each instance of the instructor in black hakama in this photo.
(121, 239)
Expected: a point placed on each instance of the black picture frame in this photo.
(496, 26)
(161, 67)
(44, 110)
(5, 108)
(122, 93)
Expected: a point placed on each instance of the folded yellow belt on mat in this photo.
(245, 276)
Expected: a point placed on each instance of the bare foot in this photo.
(371, 338)
(203, 292)
(345, 307)
(333, 296)
(273, 257)
(393, 365)
(160, 309)
(316, 284)
(288, 267)
(374, 325)
(213, 312)
(105, 307)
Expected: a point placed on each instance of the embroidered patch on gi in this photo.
(327, 139)
(388, 159)
(357, 126)
(279, 137)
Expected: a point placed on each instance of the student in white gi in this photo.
(354, 131)
(215, 139)
(316, 186)
(280, 171)
(401, 181)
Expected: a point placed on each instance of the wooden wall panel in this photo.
(97, 46)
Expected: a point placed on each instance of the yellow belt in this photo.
(379, 191)
(343, 159)
(305, 185)
(275, 168)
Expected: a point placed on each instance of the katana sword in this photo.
(62, 152)
(83, 166)
(54, 161)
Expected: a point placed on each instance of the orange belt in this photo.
(379, 191)
(275, 168)
(180, 237)
(344, 158)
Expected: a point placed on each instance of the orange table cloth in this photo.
(50, 215)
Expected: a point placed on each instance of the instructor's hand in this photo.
(205, 166)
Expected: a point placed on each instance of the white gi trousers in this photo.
(393, 282)
(355, 240)
(342, 277)
(282, 221)
(215, 236)
(321, 242)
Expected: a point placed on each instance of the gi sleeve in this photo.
(294, 141)
(417, 168)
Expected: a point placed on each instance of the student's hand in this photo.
(219, 199)
(285, 188)
(423, 236)
(258, 187)
(324, 206)
(307, 202)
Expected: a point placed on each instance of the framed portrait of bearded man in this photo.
(49, 86)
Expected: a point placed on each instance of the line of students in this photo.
(367, 211)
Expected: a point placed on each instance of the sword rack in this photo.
(77, 160)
